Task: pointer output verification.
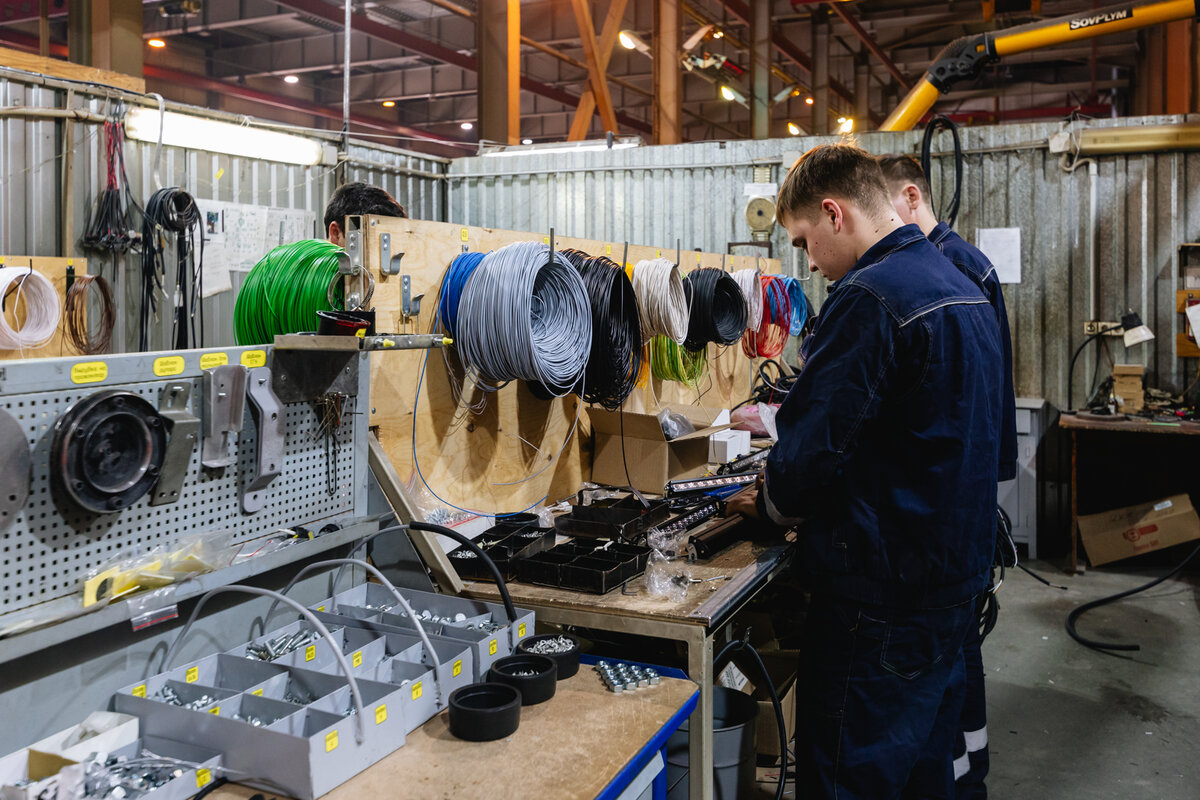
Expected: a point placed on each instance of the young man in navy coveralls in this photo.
(909, 189)
(886, 465)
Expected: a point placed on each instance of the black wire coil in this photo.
(172, 210)
(718, 308)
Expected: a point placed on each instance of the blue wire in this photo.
(460, 270)
(799, 305)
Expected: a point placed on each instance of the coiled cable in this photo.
(452, 285)
(41, 309)
(524, 314)
(769, 337)
(750, 282)
(172, 211)
(671, 362)
(285, 290)
(615, 359)
(718, 308)
(799, 303)
(661, 298)
(75, 323)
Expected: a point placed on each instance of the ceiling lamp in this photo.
(731, 94)
(215, 136)
(793, 129)
(156, 43)
(631, 41)
(466, 126)
(808, 101)
(845, 125)
(290, 79)
(389, 103)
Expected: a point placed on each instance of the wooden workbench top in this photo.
(743, 562)
(568, 748)
(1079, 422)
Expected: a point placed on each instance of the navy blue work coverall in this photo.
(888, 452)
(971, 761)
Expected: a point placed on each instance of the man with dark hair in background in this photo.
(354, 199)
(886, 464)
(909, 190)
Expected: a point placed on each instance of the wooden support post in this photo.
(116, 34)
(760, 69)
(497, 40)
(596, 66)
(44, 28)
(668, 82)
(582, 120)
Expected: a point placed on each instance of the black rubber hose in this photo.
(1074, 616)
(465, 542)
(726, 653)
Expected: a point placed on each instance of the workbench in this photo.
(692, 621)
(583, 743)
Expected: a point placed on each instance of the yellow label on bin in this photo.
(192, 675)
(203, 778)
(492, 647)
(331, 741)
(381, 714)
(357, 659)
(210, 360)
(310, 652)
(257, 693)
(464, 234)
(254, 358)
(457, 668)
(168, 365)
(320, 608)
(139, 690)
(416, 690)
(521, 631)
(215, 711)
(89, 372)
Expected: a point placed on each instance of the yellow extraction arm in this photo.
(967, 56)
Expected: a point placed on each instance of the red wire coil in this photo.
(768, 338)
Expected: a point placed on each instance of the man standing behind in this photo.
(352, 199)
(887, 453)
(909, 189)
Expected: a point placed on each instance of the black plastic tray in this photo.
(613, 518)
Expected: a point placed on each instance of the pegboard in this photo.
(51, 544)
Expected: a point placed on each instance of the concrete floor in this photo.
(1066, 722)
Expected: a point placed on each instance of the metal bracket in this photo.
(224, 409)
(183, 429)
(267, 411)
(388, 264)
(409, 305)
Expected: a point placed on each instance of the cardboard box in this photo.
(781, 666)
(725, 446)
(25, 774)
(1134, 530)
(1127, 385)
(651, 458)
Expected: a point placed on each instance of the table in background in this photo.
(1132, 479)
(692, 621)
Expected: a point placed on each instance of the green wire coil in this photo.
(670, 362)
(285, 290)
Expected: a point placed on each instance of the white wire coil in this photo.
(42, 309)
(662, 302)
(750, 282)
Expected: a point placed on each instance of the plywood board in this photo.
(54, 68)
(484, 462)
(56, 270)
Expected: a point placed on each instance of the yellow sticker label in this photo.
(215, 711)
(357, 660)
(521, 631)
(257, 693)
(310, 652)
(320, 608)
(139, 690)
(657, 253)
(464, 234)
(608, 249)
(254, 358)
(492, 647)
(203, 778)
(545, 240)
(416, 690)
(380, 714)
(89, 372)
(331, 741)
(168, 365)
(193, 674)
(210, 360)
(697, 258)
(457, 668)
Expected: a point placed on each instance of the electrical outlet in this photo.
(1094, 326)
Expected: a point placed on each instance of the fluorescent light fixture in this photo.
(697, 37)
(793, 129)
(589, 146)
(389, 103)
(466, 126)
(845, 125)
(156, 43)
(200, 133)
(290, 79)
(808, 101)
(631, 41)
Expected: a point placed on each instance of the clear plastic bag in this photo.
(667, 571)
(433, 510)
(674, 424)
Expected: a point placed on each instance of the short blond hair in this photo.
(841, 170)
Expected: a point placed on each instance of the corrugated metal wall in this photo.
(32, 188)
(1148, 204)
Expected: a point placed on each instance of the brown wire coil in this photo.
(75, 324)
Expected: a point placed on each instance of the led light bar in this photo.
(710, 483)
(747, 463)
(691, 519)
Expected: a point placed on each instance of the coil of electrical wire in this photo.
(671, 362)
(36, 296)
(75, 322)
(452, 285)
(750, 282)
(285, 290)
(615, 360)
(662, 300)
(768, 339)
(173, 211)
(799, 304)
(718, 308)
(524, 314)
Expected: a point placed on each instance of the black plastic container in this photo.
(484, 712)
(568, 662)
(536, 688)
(517, 520)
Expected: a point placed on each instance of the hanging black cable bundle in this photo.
(718, 308)
(110, 226)
(937, 123)
(616, 356)
(173, 211)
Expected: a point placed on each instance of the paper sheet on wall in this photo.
(1193, 317)
(236, 236)
(1002, 246)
